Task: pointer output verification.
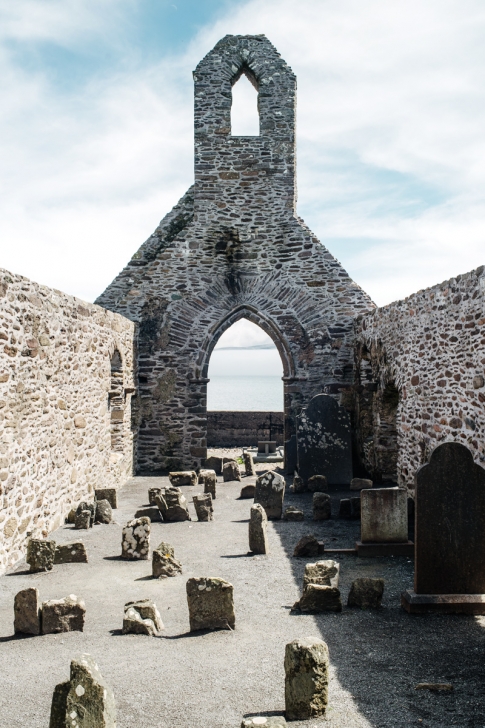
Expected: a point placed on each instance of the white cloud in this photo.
(391, 115)
(244, 334)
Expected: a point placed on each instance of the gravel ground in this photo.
(215, 678)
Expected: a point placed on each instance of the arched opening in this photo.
(244, 109)
(386, 434)
(116, 403)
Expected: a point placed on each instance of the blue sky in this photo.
(96, 130)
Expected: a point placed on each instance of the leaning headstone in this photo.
(292, 513)
(164, 563)
(214, 463)
(319, 598)
(261, 721)
(183, 477)
(27, 613)
(85, 701)
(317, 484)
(73, 552)
(366, 593)
(325, 573)
(230, 471)
(152, 494)
(306, 679)
(109, 494)
(151, 512)
(360, 483)
(84, 506)
(306, 546)
(83, 520)
(173, 506)
(248, 463)
(298, 486)
(63, 615)
(40, 554)
(104, 512)
(384, 515)
(209, 479)
(324, 441)
(270, 493)
(135, 540)
(449, 573)
(258, 522)
(211, 604)
(247, 491)
(142, 617)
(322, 507)
(203, 506)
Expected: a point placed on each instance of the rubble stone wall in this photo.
(420, 366)
(60, 406)
(244, 429)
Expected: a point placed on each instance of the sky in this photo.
(96, 138)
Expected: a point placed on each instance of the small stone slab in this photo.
(173, 506)
(366, 593)
(135, 540)
(104, 512)
(434, 687)
(164, 564)
(209, 479)
(442, 603)
(319, 598)
(40, 555)
(322, 572)
(63, 615)
(152, 513)
(152, 495)
(230, 471)
(247, 491)
(307, 546)
(85, 701)
(298, 485)
(214, 463)
(317, 484)
(203, 506)
(142, 617)
(292, 513)
(73, 552)
(270, 493)
(83, 520)
(360, 483)
(261, 721)
(84, 506)
(384, 515)
(109, 494)
(211, 604)
(306, 679)
(345, 508)
(183, 477)
(27, 613)
(322, 507)
(248, 463)
(258, 523)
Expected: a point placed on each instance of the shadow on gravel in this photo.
(380, 655)
(237, 556)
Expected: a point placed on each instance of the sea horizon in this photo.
(248, 393)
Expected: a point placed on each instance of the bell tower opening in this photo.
(244, 110)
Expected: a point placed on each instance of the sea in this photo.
(243, 394)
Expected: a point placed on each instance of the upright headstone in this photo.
(209, 479)
(230, 471)
(248, 463)
(306, 679)
(135, 539)
(324, 441)
(449, 574)
(142, 617)
(258, 522)
(183, 477)
(214, 463)
(270, 493)
(211, 603)
(40, 554)
(203, 506)
(384, 515)
(27, 611)
(63, 615)
(109, 494)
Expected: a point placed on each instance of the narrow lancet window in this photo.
(244, 110)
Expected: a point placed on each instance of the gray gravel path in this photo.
(214, 679)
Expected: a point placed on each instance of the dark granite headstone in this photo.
(450, 523)
(324, 441)
(290, 455)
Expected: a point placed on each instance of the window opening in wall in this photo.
(244, 110)
(116, 404)
(387, 433)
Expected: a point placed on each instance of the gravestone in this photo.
(214, 463)
(27, 611)
(183, 477)
(258, 523)
(63, 615)
(73, 552)
(40, 555)
(209, 479)
(142, 617)
(384, 515)
(135, 539)
(203, 506)
(306, 679)
(230, 471)
(366, 593)
(322, 507)
(104, 512)
(248, 463)
(324, 441)
(211, 603)
(449, 571)
(270, 493)
(109, 494)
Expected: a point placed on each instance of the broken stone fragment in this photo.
(63, 615)
(214, 463)
(247, 491)
(360, 484)
(27, 613)
(83, 520)
(230, 471)
(306, 679)
(209, 479)
(152, 513)
(298, 485)
(366, 593)
(135, 540)
(91, 507)
(270, 493)
(258, 522)
(40, 554)
(183, 477)
(306, 546)
(152, 494)
(85, 701)
(211, 604)
(166, 548)
(293, 514)
(249, 463)
(104, 512)
(203, 506)
(322, 572)
(322, 507)
(73, 552)
(317, 484)
(71, 516)
(173, 506)
(164, 564)
(109, 494)
(142, 617)
(272, 721)
(319, 598)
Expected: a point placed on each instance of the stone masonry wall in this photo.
(56, 414)
(420, 366)
(233, 248)
(244, 429)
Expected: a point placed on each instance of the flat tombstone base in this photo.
(442, 603)
(404, 548)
